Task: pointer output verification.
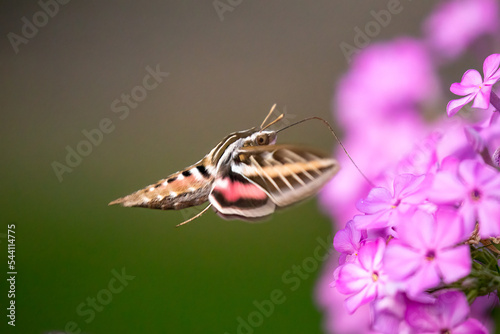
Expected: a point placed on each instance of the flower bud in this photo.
(496, 158)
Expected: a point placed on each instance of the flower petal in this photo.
(353, 302)
(426, 277)
(489, 179)
(490, 67)
(449, 229)
(489, 218)
(471, 79)
(352, 279)
(458, 89)
(407, 184)
(446, 188)
(471, 326)
(376, 220)
(454, 263)
(468, 171)
(401, 261)
(347, 240)
(371, 254)
(378, 199)
(455, 105)
(468, 210)
(418, 230)
(482, 100)
(420, 317)
(453, 308)
(474, 138)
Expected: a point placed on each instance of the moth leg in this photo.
(193, 218)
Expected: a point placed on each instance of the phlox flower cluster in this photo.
(418, 241)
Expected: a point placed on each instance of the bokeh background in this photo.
(225, 71)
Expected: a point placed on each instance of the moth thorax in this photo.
(223, 165)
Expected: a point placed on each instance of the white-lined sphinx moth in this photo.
(246, 176)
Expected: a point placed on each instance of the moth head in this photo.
(262, 138)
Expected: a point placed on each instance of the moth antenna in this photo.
(336, 138)
(193, 218)
(265, 119)
(279, 118)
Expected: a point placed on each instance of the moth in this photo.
(246, 176)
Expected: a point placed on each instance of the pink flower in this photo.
(426, 252)
(448, 314)
(456, 24)
(427, 197)
(330, 300)
(369, 147)
(473, 87)
(386, 79)
(363, 280)
(475, 188)
(383, 208)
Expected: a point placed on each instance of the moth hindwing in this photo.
(246, 176)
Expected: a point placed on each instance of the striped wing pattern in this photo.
(288, 174)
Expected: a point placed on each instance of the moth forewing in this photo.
(287, 173)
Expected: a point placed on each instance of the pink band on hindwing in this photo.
(236, 190)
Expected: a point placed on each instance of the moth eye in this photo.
(262, 140)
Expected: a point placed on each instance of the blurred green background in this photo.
(224, 75)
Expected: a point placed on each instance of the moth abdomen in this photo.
(180, 190)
